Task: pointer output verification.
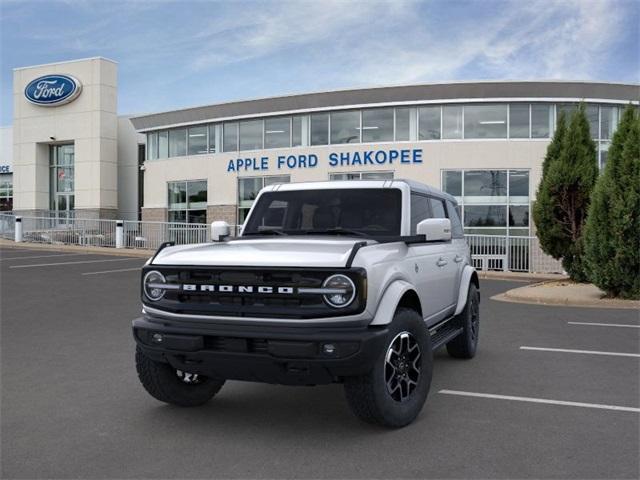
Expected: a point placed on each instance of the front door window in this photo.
(62, 179)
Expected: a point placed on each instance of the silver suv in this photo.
(353, 282)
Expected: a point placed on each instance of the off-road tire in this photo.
(466, 344)
(368, 395)
(162, 382)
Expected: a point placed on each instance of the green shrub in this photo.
(612, 233)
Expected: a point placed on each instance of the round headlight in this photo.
(152, 285)
(342, 290)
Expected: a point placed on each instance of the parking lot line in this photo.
(590, 352)
(113, 271)
(605, 324)
(42, 256)
(75, 263)
(541, 400)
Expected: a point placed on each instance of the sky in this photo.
(176, 54)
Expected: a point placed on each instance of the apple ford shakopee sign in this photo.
(53, 90)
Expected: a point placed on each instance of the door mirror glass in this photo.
(435, 229)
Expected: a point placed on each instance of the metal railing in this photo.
(515, 254)
(488, 252)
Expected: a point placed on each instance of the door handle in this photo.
(441, 262)
(458, 259)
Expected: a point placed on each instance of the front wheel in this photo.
(176, 387)
(466, 344)
(393, 392)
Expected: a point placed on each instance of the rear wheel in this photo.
(176, 387)
(466, 344)
(393, 392)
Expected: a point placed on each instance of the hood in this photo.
(263, 252)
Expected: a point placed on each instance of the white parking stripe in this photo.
(113, 271)
(604, 324)
(42, 256)
(541, 400)
(590, 352)
(76, 263)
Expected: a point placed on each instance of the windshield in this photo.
(371, 212)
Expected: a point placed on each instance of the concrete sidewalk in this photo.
(127, 252)
(567, 293)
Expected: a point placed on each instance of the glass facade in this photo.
(6, 192)
(187, 201)
(361, 176)
(248, 189)
(384, 124)
(62, 179)
(492, 202)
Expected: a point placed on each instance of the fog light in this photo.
(157, 338)
(329, 348)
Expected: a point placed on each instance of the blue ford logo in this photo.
(53, 90)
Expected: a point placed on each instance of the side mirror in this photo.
(435, 229)
(219, 230)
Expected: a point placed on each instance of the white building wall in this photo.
(128, 169)
(90, 122)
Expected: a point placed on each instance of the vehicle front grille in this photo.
(268, 305)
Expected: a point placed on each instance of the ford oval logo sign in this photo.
(53, 90)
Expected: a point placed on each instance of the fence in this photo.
(489, 252)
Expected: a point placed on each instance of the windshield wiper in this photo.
(266, 231)
(337, 231)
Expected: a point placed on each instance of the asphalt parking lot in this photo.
(72, 406)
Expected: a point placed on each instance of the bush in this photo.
(560, 211)
(612, 233)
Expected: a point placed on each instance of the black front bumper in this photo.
(284, 355)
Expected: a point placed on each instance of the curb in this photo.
(521, 276)
(512, 296)
(124, 252)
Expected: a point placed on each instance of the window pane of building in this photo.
(163, 144)
(429, 123)
(277, 132)
(403, 124)
(197, 194)
(485, 186)
(196, 216)
(608, 122)
(519, 120)
(251, 135)
(197, 140)
(485, 216)
(152, 146)
(177, 216)
(177, 195)
(276, 179)
(230, 137)
(344, 176)
(519, 216)
(604, 152)
(296, 131)
(541, 120)
(452, 121)
(592, 117)
(377, 175)
(212, 139)
(568, 109)
(178, 142)
(345, 127)
(377, 125)
(452, 182)
(485, 121)
(519, 186)
(320, 129)
(248, 189)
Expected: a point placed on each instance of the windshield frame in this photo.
(336, 230)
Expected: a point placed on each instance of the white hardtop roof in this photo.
(346, 184)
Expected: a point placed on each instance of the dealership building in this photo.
(483, 142)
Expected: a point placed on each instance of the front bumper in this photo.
(283, 355)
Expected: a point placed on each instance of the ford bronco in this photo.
(354, 282)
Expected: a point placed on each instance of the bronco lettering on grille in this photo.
(190, 287)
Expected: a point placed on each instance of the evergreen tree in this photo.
(612, 233)
(563, 197)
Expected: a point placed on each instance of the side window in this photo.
(437, 207)
(456, 224)
(419, 210)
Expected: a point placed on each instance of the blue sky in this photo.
(174, 54)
